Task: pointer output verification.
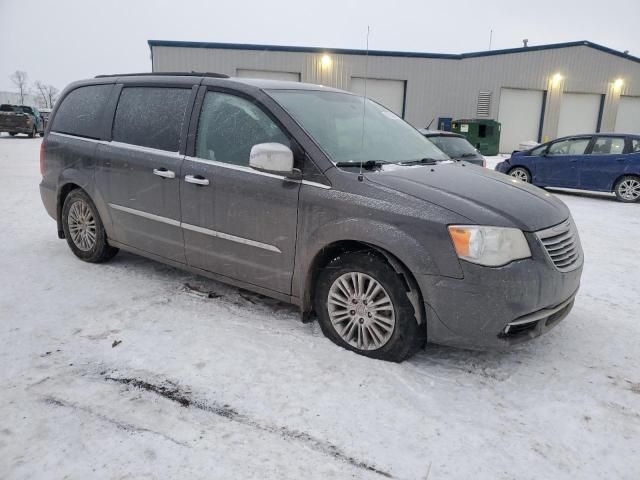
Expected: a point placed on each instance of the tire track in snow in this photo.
(128, 427)
(173, 393)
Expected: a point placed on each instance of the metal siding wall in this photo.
(437, 87)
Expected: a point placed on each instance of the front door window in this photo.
(230, 125)
(571, 146)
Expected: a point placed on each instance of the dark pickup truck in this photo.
(16, 119)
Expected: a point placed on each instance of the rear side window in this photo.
(81, 111)
(635, 145)
(608, 146)
(151, 117)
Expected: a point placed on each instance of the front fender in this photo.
(387, 238)
(378, 234)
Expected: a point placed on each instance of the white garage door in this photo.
(269, 75)
(628, 119)
(519, 113)
(389, 93)
(578, 113)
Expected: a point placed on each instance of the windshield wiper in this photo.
(468, 154)
(368, 165)
(423, 161)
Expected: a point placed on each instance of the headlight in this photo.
(490, 246)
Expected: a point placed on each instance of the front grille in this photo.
(562, 245)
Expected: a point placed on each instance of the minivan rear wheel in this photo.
(627, 189)
(84, 230)
(363, 306)
(521, 174)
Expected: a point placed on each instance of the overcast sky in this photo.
(64, 40)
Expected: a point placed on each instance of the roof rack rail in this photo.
(163, 74)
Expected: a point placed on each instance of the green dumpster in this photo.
(484, 134)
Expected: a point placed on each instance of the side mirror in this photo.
(273, 158)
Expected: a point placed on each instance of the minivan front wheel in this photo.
(627, 189)
(84, 230)
(521, 174)
(363, 306)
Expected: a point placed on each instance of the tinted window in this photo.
(608, 146)
(151, 117)
(573, 146)
(81, 111)
(229, 126)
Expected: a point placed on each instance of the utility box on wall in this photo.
(484, 134)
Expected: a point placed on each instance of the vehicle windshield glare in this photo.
(335, 121)
(455, 147)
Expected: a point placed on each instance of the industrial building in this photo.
(536, 92)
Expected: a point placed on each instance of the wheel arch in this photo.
(620, 177)
(339, 247)
(63, 193)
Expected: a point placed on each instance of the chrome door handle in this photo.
(197, 180)
(164, 173)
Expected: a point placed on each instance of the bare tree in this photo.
(19, 79)
(41, 87)
(52, 95)
(49, 93)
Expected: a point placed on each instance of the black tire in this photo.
(625, 188)
(407, 336)
(32, 133)
(100, 250)
(520, 173)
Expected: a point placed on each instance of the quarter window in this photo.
(151, 117)
(229, 126)
(80, 112)
(572, 146)
(608, 146)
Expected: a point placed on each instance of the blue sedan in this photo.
(600, 162)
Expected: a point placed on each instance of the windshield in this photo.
(335, 121)
(455, 147)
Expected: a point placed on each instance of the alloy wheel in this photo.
(82, 226)
(361, 311)
(520, 174)
(629, 189)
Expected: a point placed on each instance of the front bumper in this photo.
(498, 307)
(503, 167)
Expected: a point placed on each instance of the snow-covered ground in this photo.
(213, 382)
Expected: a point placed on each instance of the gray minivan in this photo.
(313, 196)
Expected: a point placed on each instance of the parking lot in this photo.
(133, 369)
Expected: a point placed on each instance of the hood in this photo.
(481, 195)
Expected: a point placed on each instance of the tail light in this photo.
(42, 157)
